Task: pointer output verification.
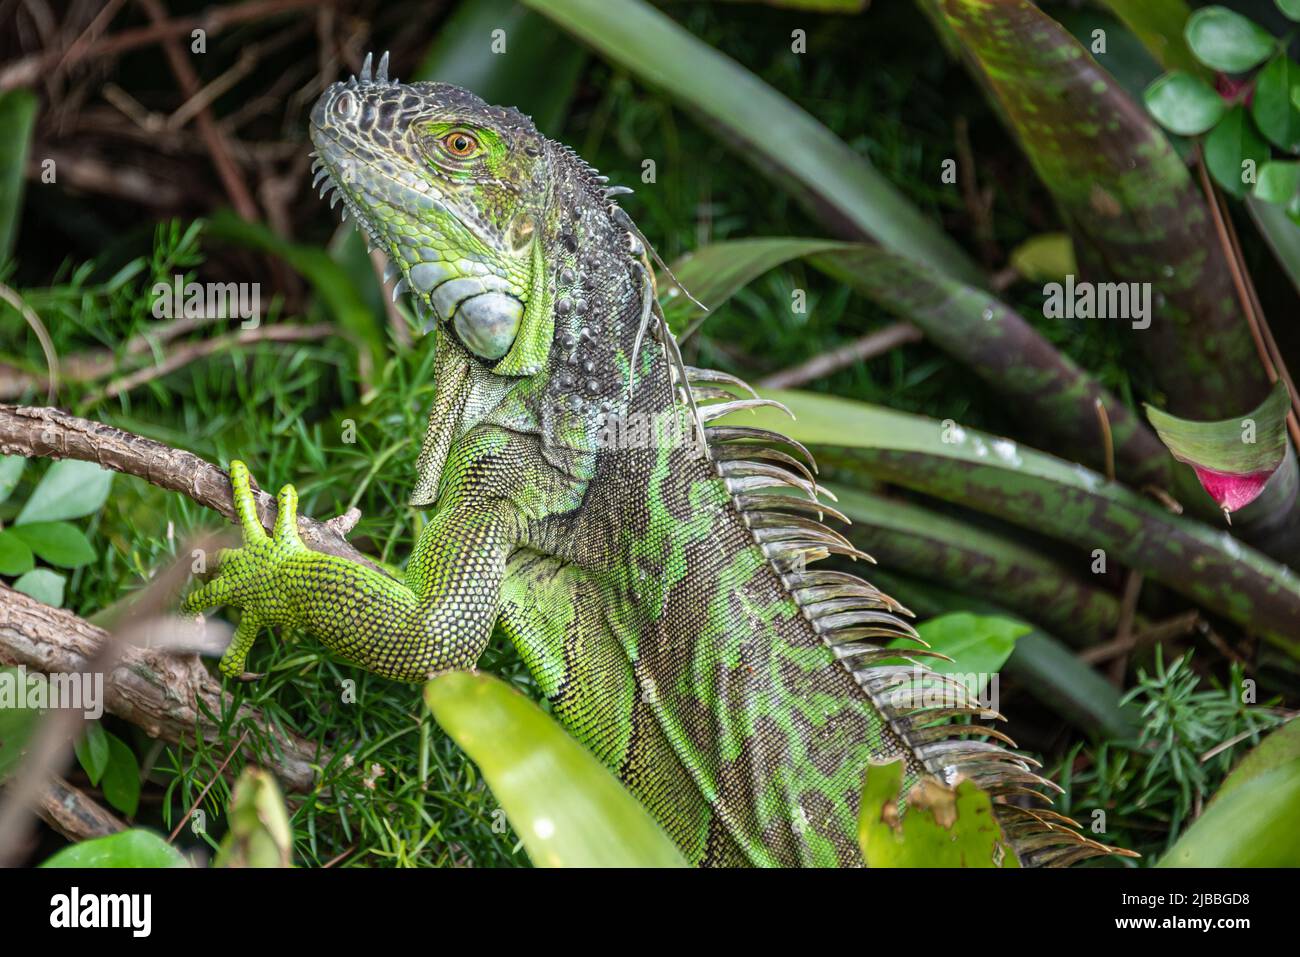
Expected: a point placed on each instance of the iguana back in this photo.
(651, 566)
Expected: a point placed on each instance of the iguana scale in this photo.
(654, 579)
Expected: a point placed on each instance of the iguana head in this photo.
(537, 278)
(453, 191)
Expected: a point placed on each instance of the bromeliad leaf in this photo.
(943, 826)
(1233, 458)
(1184, 104)
(1251, 821)
(1225, 40)
(567, 809)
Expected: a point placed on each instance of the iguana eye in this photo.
(459, 143)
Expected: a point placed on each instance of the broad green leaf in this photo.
(1133, 208)
(1274, 112)
(259, 835)
(837, 185)
(1048, 495)
(942, 826)
(1282, 233)
(131, 848)
(16, 720)
(568, 810)
(59, 543)
(1225, 40)
(977, 644)
(70, 488)
(1289, 8)
(1045, 258)
(44, 585)
(92, 751)
(1184, 104)
(17, 118)
(969, 324)
(1253, 824)
(15, 556)
(1279, 749)
(1233, 458)
(1234, 152)
(1279, 183)
(11, 470)
(327, 278)
(1159, 25)
(121, 780)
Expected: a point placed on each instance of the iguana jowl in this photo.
(654, 579)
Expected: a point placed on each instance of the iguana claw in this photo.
(248, 577)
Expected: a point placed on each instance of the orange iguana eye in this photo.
(459, 143)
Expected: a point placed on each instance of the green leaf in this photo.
(1279, 749)
(44, 585)
(11, 470)
(1272, 107)
(92, 751)
(1048, 495)
(568, 810)
(259, 835)
(1234, 152)
(131, 848)
(1227, 41)
(121, 780)
(977, 644)
(1289, 8)
(16, 723)
(17, 119)
(70, 488)
(836, 184)
(1045, 258)
(1279, 182)
(942, 826)
(15, 556)
(58, 543)
(1184, 104)
(1159, 25)
(1251, 821)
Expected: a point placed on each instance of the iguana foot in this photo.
(249, 577)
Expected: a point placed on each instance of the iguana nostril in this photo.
(346, 105)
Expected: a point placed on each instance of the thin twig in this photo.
(859, 350)
(171, 838)
(1124, 630)
(1108, 443)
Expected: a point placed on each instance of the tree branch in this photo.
(51, 433)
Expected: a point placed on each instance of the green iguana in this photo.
(650, 567)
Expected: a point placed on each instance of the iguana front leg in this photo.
(439, 618)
